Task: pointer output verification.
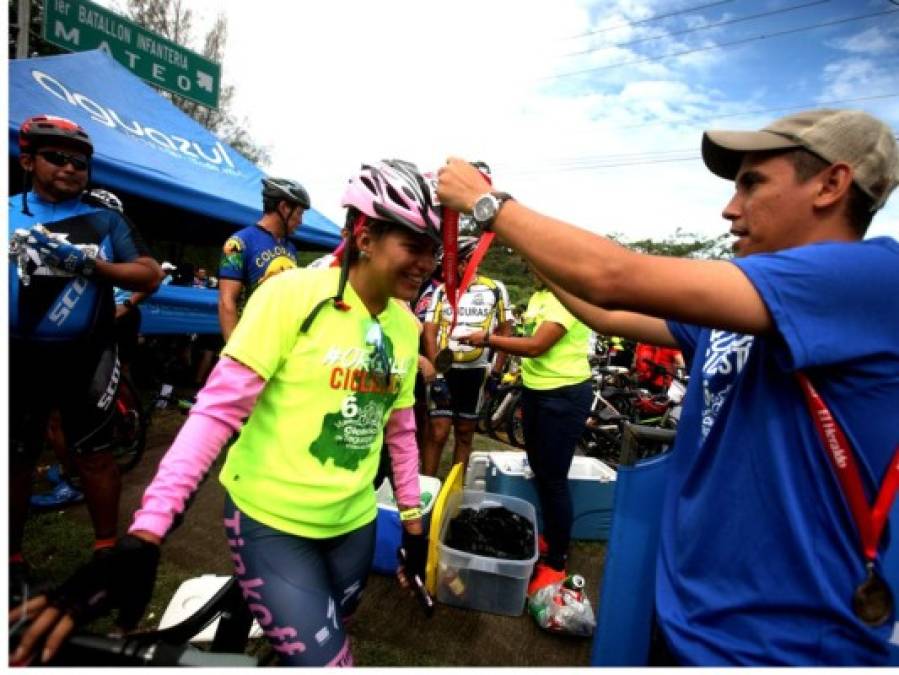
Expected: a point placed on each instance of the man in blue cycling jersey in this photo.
(73, 250)
(255, 253)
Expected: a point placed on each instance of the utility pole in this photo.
(24, 29)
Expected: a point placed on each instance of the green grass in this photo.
(56, 544)
(389, 632)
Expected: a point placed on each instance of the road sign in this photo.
(80, 25)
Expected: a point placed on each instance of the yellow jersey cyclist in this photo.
(321, 367)
(456, 396)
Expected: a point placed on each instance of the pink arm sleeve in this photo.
(221, 408)
(403, 450)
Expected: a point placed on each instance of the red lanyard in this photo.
(450, 260)
(869, 521)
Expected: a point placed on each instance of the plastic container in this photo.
(389, 532)
(482, 583)
(591, 482)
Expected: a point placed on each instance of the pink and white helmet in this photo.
(397, 191)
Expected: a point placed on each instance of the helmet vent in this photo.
(395, 196)
(368, 183)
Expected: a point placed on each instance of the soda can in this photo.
(574, 582)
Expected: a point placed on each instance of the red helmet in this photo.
(48, 130)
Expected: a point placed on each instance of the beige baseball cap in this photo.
(851, 136)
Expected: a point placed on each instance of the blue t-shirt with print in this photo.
(59, 307)
(253, 254)
(759, 554)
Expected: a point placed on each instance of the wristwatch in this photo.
(486, 208)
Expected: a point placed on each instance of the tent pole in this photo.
(24, 20)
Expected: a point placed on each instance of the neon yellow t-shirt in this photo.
(305, 460)
(566, 361)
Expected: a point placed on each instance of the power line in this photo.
(720, 45)
(593, 162)
(656, 17)
(710, 26)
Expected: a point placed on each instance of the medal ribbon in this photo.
(450, 258)
(869, 521)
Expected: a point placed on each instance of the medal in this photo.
(444, 360)
(872, 601)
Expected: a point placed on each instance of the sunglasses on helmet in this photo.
(56, 158)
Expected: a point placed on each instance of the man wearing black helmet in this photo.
(253, 254)
(72, 248)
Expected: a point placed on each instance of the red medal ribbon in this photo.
(869, 521)
(450, 258)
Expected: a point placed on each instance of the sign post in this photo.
(81, 25)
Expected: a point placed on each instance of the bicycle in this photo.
(169, 646)
(127, 440)
(499, 410)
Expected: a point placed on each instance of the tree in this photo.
(37, 45)
(171, 19)
(682, 245)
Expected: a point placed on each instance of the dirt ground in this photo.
(389, 629)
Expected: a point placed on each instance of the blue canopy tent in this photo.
(179, 181)
(145, 145)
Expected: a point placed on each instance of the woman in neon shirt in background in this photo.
(555, 404)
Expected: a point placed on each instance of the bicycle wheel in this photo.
(514, 423)
(129, 430)
(492, 417)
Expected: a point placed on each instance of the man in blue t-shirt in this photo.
(253, 254)
(73, 247)
(760, 556)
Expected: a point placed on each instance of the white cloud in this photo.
(329, 85)
(876, 40)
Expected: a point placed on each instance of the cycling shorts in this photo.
(300, 590)
(466, 387)
(80, 379)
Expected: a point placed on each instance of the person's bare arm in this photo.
(503, 330)
(631, 325)
(229, 295)
(141, 274)
(547, 334)
(429, 340)
(605, 274)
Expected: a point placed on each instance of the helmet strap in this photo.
(284, 220)
(26, 186)
(358, 225)
(349, 244)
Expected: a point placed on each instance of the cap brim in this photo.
(723, 151)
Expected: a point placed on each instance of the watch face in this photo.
(484, 209)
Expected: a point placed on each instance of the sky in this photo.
(587, 110)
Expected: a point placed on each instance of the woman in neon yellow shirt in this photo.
(321, 366)
(555, 404)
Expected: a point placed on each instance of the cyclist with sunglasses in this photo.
(73, 249)
(320, 368)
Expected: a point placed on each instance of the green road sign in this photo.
(79, 25)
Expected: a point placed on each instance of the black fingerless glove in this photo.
(415, 547)
(121, 579)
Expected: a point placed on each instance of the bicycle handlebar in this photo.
(84, 649)
(168, 646)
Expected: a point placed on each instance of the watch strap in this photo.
(501, 198)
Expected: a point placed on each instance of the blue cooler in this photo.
(389, 531)
(591, 482)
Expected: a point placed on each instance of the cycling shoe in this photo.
(63, 493)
